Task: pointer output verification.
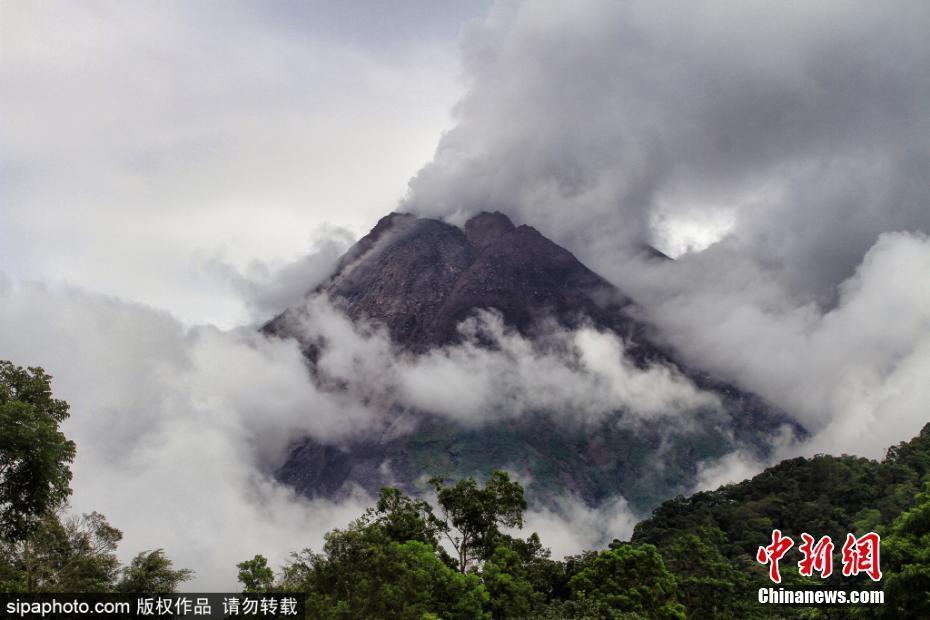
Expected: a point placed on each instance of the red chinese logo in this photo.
(773, 553)
(817, 557)
(859, 555)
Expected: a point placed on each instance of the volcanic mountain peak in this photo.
(421, 277)
(486, 228)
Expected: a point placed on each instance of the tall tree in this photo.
(709, 585)
(34, 454)
(507, 580)
(255, 575)
(403, 518)
(472, 516)
(907, 560)
(151, 572)
(74, 554)
(628, 578)
(363, 573)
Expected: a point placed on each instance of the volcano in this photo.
(420, 279)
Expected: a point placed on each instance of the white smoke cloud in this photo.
(140, 140)
(779, 150)
(801, 129)
(852, 374)
(741, 464)
(178, 429)
(735, 467)
(581, 373)
(572, 526)
(268, 288)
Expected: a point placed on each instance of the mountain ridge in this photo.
(430, 275)
(420, 278)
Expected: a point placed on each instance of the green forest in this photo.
(405, 558)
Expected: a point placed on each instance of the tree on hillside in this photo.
(403, 518)
(709, 585)
(363, 573)
(151, 572)
(472, 516)
(509, 584)
(628, 578)
(255, 575)
(73, 554)
(34, 454)
(907, 562)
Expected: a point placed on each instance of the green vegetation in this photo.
(70, 554)
(597, 460)
(390, 563)
(42, 549)
(255, 575)
(472, 516)
(629, 578)
(34, 454)
(907, 554)
(694, 558)
(151, 572)
(403, 558)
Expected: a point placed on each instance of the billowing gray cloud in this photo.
(267, 289)
(583, 372)
(853, 374)
(779, 151)
(178, 430)
(801, 130)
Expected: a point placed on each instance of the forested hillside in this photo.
(466, 556)
(695, 557)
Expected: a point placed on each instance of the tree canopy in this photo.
(255, 575)
(695, 557)
(151, 572)
(471, 515)
(34, 454)
(907, 554)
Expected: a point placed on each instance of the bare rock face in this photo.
(421, 278)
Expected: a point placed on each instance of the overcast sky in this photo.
(166, 165)
(143, 143)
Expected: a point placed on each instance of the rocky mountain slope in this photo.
(421, 278)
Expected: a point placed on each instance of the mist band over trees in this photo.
(44, 548)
